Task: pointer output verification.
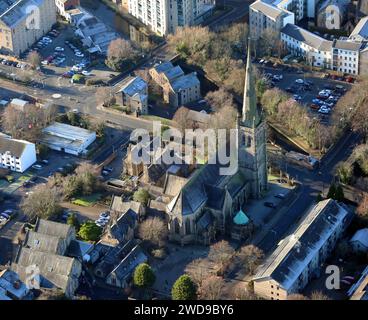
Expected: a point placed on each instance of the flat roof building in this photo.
(66, 138)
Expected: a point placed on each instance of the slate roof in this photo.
(125, 268)
(78, 249)
(174, 73)
(55, 268)
(361, 29)
(14, 11)
(119, 205)
(164, 66)
(267, 9)
(347, 45)
(16, 147)
(361, 236)
(307, 37)
(133, 85)
(236, 183)
(173, 184)
(124, 222)
(205, 221)
(295, 252)
(185, 82)
(42, 242)
(52, 228)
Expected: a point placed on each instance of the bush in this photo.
(159, 253)
(73, 221)
(143, 276)
(89, 231)
(183, 289)
(141, 196)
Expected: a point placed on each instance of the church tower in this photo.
(252, 156)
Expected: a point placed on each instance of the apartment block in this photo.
(299, 257)
(165, 16)
(16, 155)
(23, 22)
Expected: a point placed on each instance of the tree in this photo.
(183, 289)
(34, 59)
(339, 194)
(43, 151)
(198, 271)
(42, 203)
(143, 276)
(218, 99)
(318, 295)
(89, 231)
(105, 96)
(250, 256)
(211, 288)
(181, 119)
(225, 118)
(221, 252)
(142, 196)
(153, 230)
(331, 191)
(344, 172)
(119, 51)
(73, 221)
(362, 209)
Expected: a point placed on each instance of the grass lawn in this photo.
(87, 201)
(164, 121)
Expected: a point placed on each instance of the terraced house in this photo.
(23, 22)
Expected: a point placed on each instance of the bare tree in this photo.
(218, 99)
(250, 256)
(43, 203)
(225, 118)
(181, 119)
(153, 230)
(297, 296)
(105, 96)
(318, 295)
(211, 288)
(34, 59)
(120, 49)
(362, 209)
(198, 271)
(221, 252)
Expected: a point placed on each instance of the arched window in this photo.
(176, 226)
(249, 142)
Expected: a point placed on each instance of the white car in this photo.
(300, 81)
(37, 166)
(86, 73)
(59, 49)
(44, 62)
(79, 55)
(324, 110)
(47, 39)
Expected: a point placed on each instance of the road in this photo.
(312, 183)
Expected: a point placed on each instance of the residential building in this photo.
(23, 22)
(16, 155)
(66, 138)
(133, 95)
(300, 42)
(45, 247)
(64, 5)
(300, 256)
(331, 14)
(165, 16)
(359, 240)
(157, 71)
(207, 201)
(182, 90)
(20, 104)
(264, 16)
(11, 286)
(359, 290)
(346, 56)
(360, 32)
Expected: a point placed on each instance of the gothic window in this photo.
(243, 139)
(249, 142)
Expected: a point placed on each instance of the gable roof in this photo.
(133, 85)
(42, 242)
(295, 252)
(267, 9)
(361, 236)
(184, 82)
(15, 147)
(307, 37)
(52, 228)
(173, 73)
(164, 66)
(361, 29)
(347, 45)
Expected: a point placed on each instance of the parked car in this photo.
(314, 106)
(297, 97)
(105, 214)
(59, 49)
(37, 166)
(299, 81)
(86, 73)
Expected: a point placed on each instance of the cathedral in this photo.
(208, 203)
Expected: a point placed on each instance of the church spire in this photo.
(250, 114)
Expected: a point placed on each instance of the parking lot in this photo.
(306, 87)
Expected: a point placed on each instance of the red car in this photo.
(49, 59)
